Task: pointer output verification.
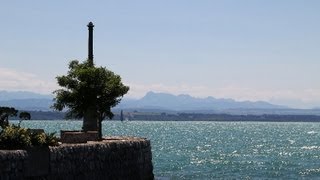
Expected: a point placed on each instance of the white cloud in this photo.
(13, 80)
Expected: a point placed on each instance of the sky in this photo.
(246, 50)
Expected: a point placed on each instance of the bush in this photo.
(14, 137)
(38, 139)
(51, 139)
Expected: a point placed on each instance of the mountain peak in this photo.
(152, 94)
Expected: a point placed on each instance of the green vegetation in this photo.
(24, 116)
(43, 139)
(89, 92)
(5, 113)
(16, 137)
(13, 137)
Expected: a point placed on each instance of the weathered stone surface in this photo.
(113, 158)
(12, 164)
(37, 163)
(78, 136)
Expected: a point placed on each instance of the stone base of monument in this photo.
(78, 136)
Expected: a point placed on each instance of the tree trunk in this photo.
(90, 120)
(100, 129)
(4, 121)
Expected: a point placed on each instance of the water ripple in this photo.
(220, 150)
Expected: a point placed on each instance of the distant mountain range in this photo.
(153, 105)
(12, 95)
(25, 100)
(185, 102)
(161, 101)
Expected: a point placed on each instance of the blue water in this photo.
(225, 150)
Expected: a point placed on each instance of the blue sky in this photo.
(246, 50)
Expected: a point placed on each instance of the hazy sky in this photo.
(246, 50)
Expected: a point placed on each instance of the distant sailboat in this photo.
(121, 115)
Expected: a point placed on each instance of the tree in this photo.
(89, 92)
(24, 116)
(5, 113)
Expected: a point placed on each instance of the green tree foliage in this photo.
(89, 92)
(24, 116)
(5, 113)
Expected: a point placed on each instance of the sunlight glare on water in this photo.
(207, 150)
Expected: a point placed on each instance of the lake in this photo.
(227, 150)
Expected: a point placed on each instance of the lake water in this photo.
(222, 150)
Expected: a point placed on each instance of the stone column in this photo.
(90, 43)
(90, 119)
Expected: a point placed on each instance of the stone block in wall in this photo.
(37, 163)
(78, 136)
(11, 164)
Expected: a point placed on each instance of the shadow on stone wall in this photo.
(113, 158)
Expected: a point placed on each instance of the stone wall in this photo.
(12, 164)
(113, 158)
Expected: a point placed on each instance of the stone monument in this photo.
(90, 43)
